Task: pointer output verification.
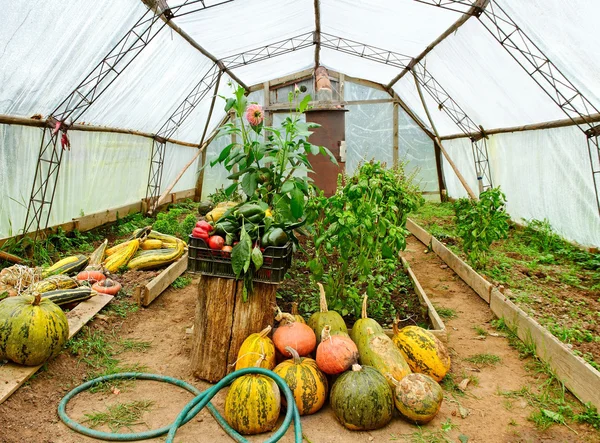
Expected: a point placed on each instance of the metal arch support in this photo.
(209, 81)
(364, 51)
(81, 98)
(446, 103)
(542, 70)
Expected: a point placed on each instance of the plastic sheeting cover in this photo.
(544, 174)
(105, 171)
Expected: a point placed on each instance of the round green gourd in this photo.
(361, 399)
(32, 329)
(324, 317)
(205, 207)
(359, 334)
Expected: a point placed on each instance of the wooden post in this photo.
(395, 153)
(223, 321)
(439, 143)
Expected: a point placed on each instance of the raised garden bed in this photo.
(577, 374)
(555, 282)
(404, 297)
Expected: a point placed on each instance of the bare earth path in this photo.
(30, 414)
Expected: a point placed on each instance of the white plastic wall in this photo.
(105, 171)
(544, 174)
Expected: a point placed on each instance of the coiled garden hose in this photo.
(190, 410)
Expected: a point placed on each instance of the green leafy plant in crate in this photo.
(270, 166)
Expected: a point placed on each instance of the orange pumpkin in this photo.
(336, 353)
(296, 335)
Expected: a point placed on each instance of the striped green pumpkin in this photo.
(32, 329)
(253, 404)
(361, 399)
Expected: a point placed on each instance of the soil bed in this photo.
(553, 281)
(397, 297)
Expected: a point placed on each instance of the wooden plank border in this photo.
(12, 376)
(481, 286)
(577, 375)
(146, 294)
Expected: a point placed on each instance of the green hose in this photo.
(190, 410)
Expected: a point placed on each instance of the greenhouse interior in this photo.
(326, 220)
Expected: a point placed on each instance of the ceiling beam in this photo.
(317, 33)
(154, 6)
(592, 118)
(475, 10)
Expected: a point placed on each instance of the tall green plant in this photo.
(480, 222)
(358, 227)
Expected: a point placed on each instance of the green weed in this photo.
(129, 344)
(122, 307)
(484, 359)
(480, 331)
(120, 415)
(449, 384)
(446, 313)
(181, 282)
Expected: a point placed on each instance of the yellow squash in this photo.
(380, 352)
(122, 257)
(157, 258)
(306, 381)
(423, 351)
(150, 244)
(257, 346)
(117, 248)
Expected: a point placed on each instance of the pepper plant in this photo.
(480, 222)
(361, 225)
(270, 165)
(271, 168)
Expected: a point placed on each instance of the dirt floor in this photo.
(30, 414)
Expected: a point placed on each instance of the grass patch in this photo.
(120, 415)
(181, 282)
(446, 313)
(122, 308)
(449, 384)
(525, 350)
(484, 359)
(129, 344)
(480, 331)
(98, 350)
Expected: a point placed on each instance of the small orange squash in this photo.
(257, 346)
(307, 382)
(336, 353)
(296, 335)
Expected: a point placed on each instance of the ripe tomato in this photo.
(216, 242)
(226, 251)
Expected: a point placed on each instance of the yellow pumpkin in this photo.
(253, 404)
(422, 350)
(306, 381)
(257, 346)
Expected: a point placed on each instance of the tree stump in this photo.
(223, 321)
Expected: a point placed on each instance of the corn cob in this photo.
(157, 258)
(122, 257)
(53, 283)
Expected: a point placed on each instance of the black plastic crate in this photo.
(203, 260)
